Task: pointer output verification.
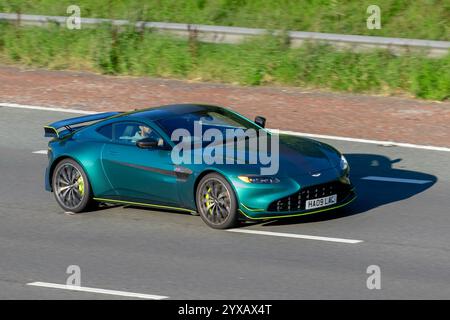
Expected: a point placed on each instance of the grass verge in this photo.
(261, 61)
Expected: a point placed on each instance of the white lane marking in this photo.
(302, 134)
(379, 142)
(40, 152)
(20, 106)
(389, 179)
(96, 290)
(294, 235)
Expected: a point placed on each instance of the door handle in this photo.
(113, 152)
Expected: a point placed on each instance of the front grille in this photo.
(297, 201)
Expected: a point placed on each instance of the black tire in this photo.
(71, 187)
(217, 207)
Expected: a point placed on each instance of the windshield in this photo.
(220, 119)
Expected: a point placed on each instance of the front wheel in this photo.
(71, 186)
(216, 202)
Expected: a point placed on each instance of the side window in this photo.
(106, 131)
(130, 133)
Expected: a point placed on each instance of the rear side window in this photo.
(106, 131)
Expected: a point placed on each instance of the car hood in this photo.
(297, 156)
(300, 156)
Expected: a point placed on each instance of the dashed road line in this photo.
(295, 236)
(97, 290)
(40, 152)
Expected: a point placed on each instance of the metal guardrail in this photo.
(220, 34)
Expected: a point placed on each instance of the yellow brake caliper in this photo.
(208, 201)
(80, 182)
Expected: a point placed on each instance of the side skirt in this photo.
(143, 204)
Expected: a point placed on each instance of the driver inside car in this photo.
(143, 132)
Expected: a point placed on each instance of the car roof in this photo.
(171, 110)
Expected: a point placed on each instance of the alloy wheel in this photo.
(70, 187)
(215, 201)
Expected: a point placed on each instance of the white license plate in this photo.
(321, 202)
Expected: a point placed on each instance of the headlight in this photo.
(344, 163)
(262, 180)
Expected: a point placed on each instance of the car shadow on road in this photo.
(371, 194)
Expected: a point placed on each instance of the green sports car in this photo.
(202, 159)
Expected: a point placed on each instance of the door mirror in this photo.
(260, 121)
(147, 143)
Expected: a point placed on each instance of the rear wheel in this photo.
(71, 186)
(216, 202)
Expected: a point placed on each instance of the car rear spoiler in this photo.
(53, 130)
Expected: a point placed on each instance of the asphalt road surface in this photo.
(404, 226)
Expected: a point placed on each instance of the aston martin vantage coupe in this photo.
(205, 160)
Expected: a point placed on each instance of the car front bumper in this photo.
(261, 214)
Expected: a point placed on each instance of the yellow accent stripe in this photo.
(299, 214)
(252, 218)
(247, 208)
(143, 204)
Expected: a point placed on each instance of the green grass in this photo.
(423, 19)
(261, 61)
